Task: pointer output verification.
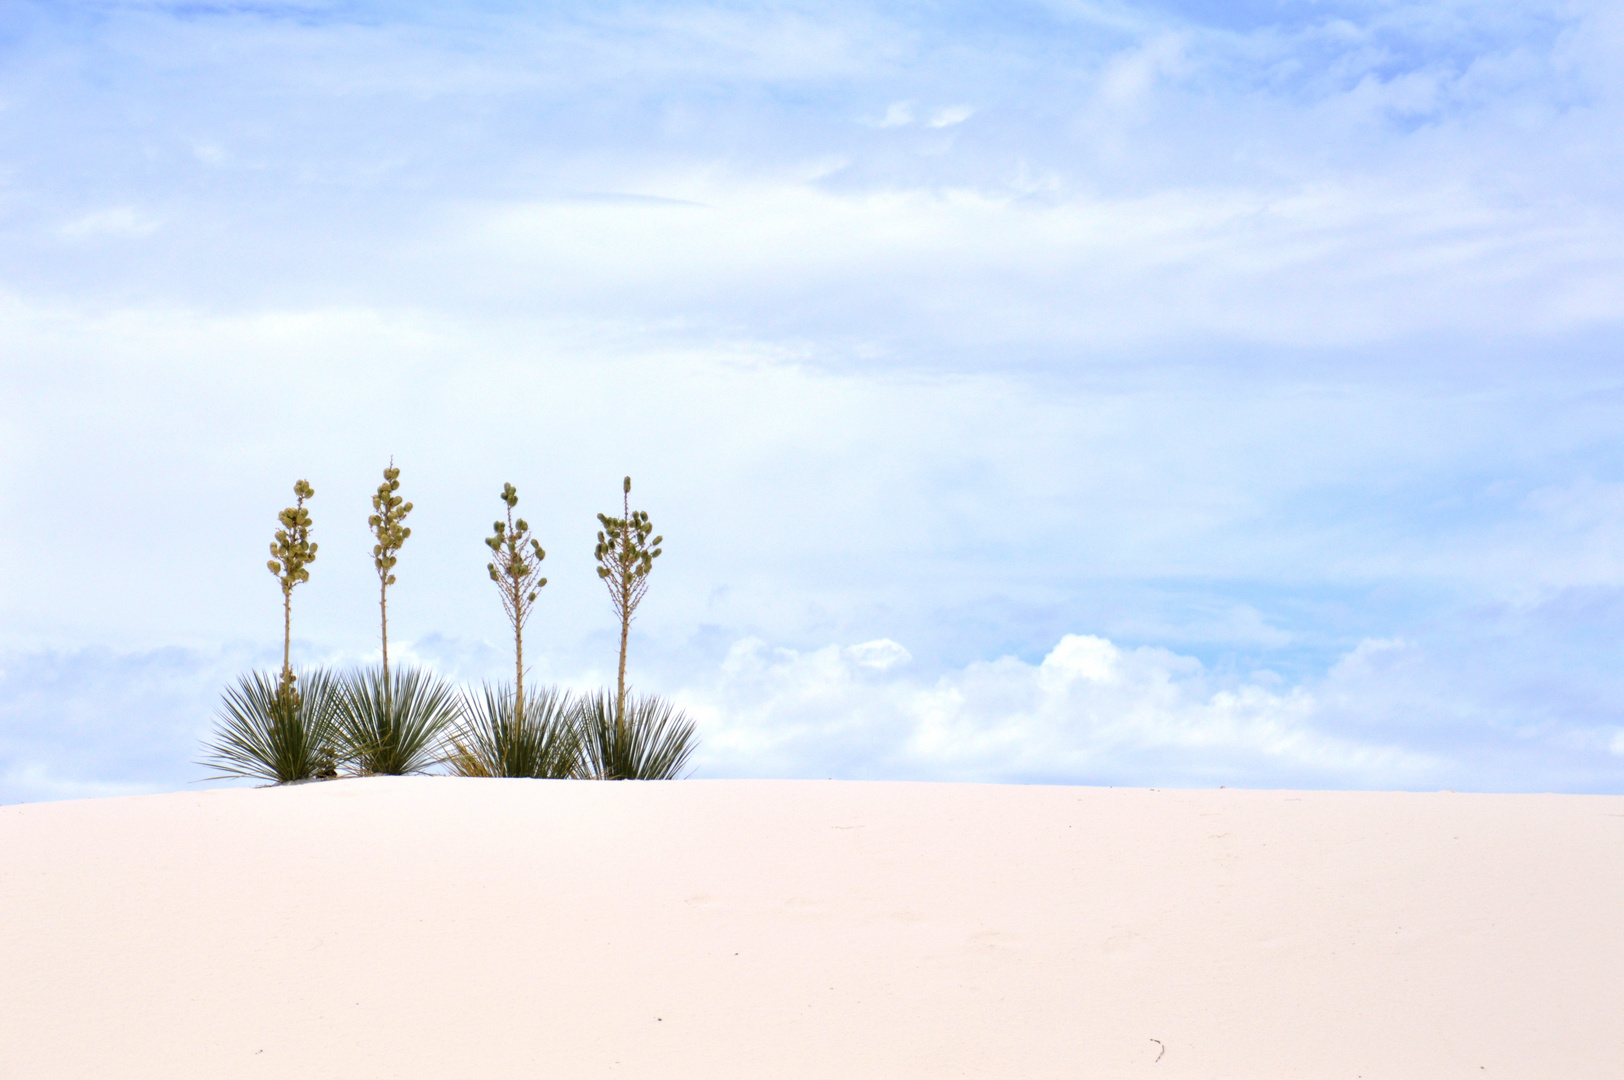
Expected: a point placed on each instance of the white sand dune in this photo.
(439, 927)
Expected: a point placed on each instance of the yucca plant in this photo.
(517, 573)
(268, 733)
(647, 739)
(393, 726)
(388, 525)
(492, 740)
(291, 551)
(625, 558)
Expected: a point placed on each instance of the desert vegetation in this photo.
(320, 723)
(282, 729)
(391, 722)
(630, 738)
(388, 525)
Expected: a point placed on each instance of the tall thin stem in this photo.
(383, 608)
(388, 525)
(287, 637)
(625, 557)
(518, 638)
(291, 553)
(625, 608)
(517, 580)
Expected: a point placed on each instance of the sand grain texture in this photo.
(440, 927)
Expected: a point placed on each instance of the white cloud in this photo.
(1388, 714)
(881, 655)
(1090, 711)
(953, 114)
(1131, 77)
(898, 114)
(118, 222)
(1347, 262)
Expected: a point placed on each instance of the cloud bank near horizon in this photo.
(1389, 714)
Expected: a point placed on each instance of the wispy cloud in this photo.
(897, 114)
(119, 222)
(953, 114)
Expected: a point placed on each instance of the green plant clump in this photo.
(392, 726)
(270, 729)
(266, 733)
(542, 743)
(646, 739)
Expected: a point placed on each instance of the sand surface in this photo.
(455, 928)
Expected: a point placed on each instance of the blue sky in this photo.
(1067, 392)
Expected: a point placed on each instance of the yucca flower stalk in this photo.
(625, 556)
(292, 551)
(388, 528)
(493, 740)
(516, 572)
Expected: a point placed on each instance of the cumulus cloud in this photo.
(1389, 713)
(1089, 711)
